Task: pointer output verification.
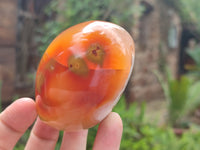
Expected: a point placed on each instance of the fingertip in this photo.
(113, 118)
(15, 120)
(26, 101)
(20, 114)
(113, 124)
(109, 133)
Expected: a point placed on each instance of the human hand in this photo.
(15, 120)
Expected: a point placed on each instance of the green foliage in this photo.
(132, 118)
(195, 55)
(194, 69)
(183, 96)
(91, 136)
(64, 14)
(188, 10)
(178, 92)
(138, 134)
(58, 144)
(190, 141)
(193, 97)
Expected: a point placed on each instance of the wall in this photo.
(157, 44)
(8, 15)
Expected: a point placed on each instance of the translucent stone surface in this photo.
(82, 74)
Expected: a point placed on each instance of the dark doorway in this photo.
(187, 36)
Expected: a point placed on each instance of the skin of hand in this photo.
(21, 114)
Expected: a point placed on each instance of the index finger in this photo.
(15, 120)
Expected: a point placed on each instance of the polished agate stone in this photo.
(82, 75)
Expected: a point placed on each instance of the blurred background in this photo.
(160, 107)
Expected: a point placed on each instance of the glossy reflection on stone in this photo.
(82, 74)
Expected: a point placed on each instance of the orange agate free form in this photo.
(82, 74)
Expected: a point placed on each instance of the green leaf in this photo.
(195, 54)
(194, 97)
(178, 90)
